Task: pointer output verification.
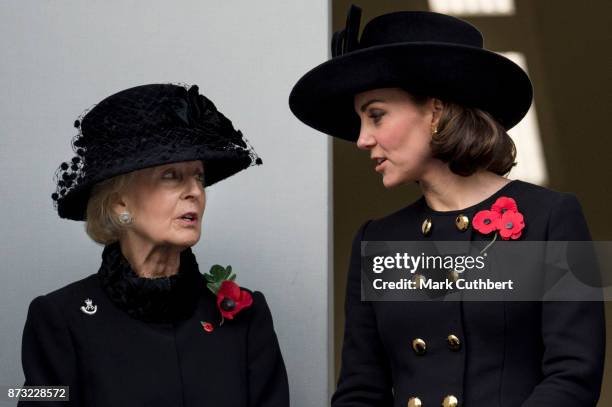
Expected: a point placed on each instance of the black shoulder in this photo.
(260, 303)
(74, 291)
(256, 314)
(396, 225)
(543, 195)
(549, 214)
(539, 200)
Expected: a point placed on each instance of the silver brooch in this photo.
(89, 308)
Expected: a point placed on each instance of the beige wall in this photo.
(567, 51)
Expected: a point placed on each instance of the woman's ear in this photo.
(437, 106)
(119, 204)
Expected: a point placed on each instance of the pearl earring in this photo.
(125, 218)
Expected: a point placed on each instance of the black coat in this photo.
(146, 345)
(530, 354)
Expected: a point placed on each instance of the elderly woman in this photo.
(148, 329)
(422, 97)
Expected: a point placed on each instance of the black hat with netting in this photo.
(146, 126)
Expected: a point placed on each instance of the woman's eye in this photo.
(200, 177)
(376, 115)
(169, 175)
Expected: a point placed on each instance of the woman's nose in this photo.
(366, 140)
(195, 189)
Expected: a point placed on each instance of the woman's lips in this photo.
(186, 222)
(188, 219)
(381, 162)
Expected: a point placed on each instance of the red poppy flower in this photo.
(504, 204)
(486, 221)
(208, 327)
(511, 225)
(231, 299)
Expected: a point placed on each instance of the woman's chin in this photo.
(390, 181)
(394, 177)
(186, 241)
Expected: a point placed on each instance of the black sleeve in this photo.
(573, 333)
(47, 352)
(268, 385)
(365, 376)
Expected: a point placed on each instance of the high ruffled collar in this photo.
(164, 299)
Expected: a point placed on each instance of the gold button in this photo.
(453, 342)
(419, 346)
(462, 222)
(414, 402)
(450, 401)
(419, 280)
(426, 226)
(453, 275)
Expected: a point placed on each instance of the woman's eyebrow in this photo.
(195, 167)
(368, 103)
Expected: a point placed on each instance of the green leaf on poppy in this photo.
(217, 272)
(217, 275)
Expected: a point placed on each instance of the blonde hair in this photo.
(101, 223)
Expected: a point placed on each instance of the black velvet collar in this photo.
(164, 299)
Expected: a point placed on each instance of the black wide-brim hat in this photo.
(424, 53)
(143, 127)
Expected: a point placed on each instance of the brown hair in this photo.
(101, 223)
(470, 139)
